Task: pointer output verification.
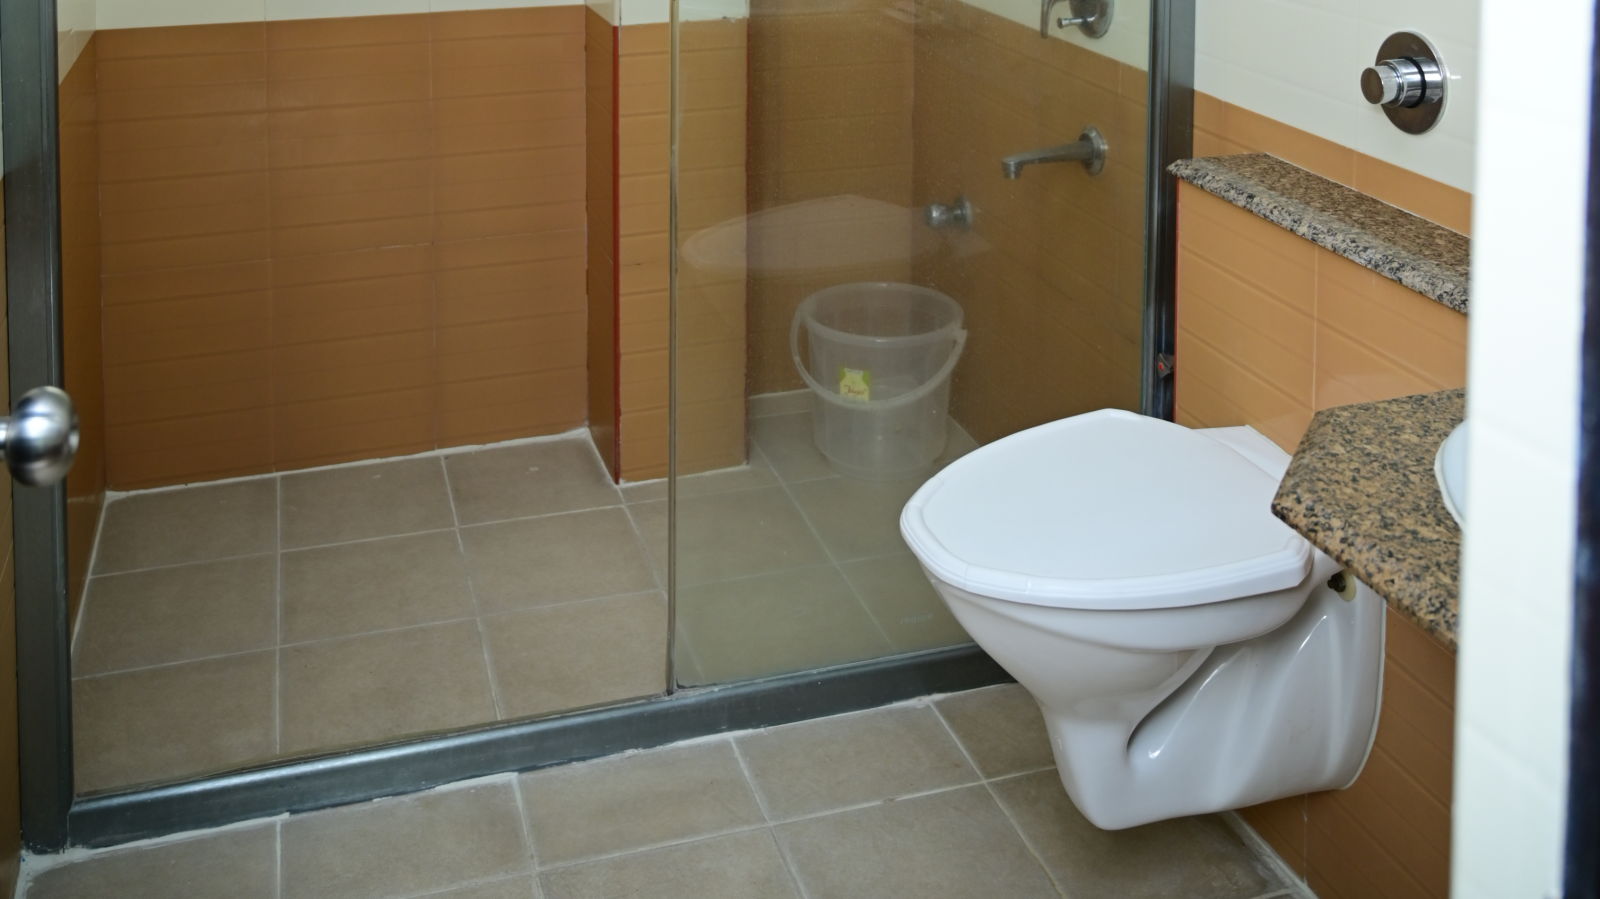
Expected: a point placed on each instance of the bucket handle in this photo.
(904, 399)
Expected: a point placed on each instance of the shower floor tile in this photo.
(785, 565)
(946, 796)
(239, 622)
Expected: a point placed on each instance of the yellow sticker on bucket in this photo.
(855, 384)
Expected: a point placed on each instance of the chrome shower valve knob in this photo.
(1406, 81)
(1402, 82)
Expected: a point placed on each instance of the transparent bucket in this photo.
(879, 360)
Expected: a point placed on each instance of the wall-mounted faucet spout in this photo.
(1089, 149)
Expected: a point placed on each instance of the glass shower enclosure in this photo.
(551, 390)
(905, 230)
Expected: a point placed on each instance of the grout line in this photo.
(653, 847)
(988, 785)
(277, 653)
(750, 780)
(373, 633)
(352, 542)
(766, 814)
(88, 578)
(488, 880)
(838, 568)
(477, 608)
(575, 433)
(277, 843)
(522, 818)
(1294, 884)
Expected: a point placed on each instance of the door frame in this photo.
(1170, 138)
(1581, 868)
(28, 92)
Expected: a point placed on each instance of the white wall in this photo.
(75, 24)
(1517, 591)
(149, 13)
(1128, 41)
(1299, 61)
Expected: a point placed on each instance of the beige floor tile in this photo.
(1001, 729)
(631, 802)
(532, 479)
(757, 473)
(732, 535)
(555, 559)
(952, 844)
(788, 444)
(178, 614)
(579, 654)
(354, 588)
(190, 525)
(897, 593)
(738, 866)
(856, 519)
(240, 864)
(1196, 858)
(511, 888)
(957, 443)
(404, 846)
(360, 690)
(363, 501)
(816, 766)
(163, 723)
(787, 402)
(770, 624)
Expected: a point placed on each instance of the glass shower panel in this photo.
(863, 295)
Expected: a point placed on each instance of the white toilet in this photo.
(1187, 648)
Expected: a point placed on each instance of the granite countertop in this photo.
(1428, 258)
(1361, 488)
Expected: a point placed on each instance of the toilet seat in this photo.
(1179, 518)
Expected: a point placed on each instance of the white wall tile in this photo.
(338, 9)
(151, 13)
(1128, 41)
(148, 13)
(1299, 61)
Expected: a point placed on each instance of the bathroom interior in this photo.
(449, 367)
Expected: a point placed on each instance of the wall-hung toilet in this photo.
(1189, 651)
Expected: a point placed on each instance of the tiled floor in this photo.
(954, 798)
(786, 566)
(244, 621)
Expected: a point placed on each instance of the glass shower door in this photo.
(864, 293)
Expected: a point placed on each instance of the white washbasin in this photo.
(1450, 467)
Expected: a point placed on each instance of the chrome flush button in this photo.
(1408, 81)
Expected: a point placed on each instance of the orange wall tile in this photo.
(1272, 328)
(1051, 276)
(831, 108)
(711, 304)
(82, 314)
(600, 197)
(334, 239)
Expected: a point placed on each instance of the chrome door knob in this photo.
(39, 439)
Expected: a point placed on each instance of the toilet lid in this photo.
(1108, 510)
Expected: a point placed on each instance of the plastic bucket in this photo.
(879, 361)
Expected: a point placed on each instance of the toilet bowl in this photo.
(1190, 653)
